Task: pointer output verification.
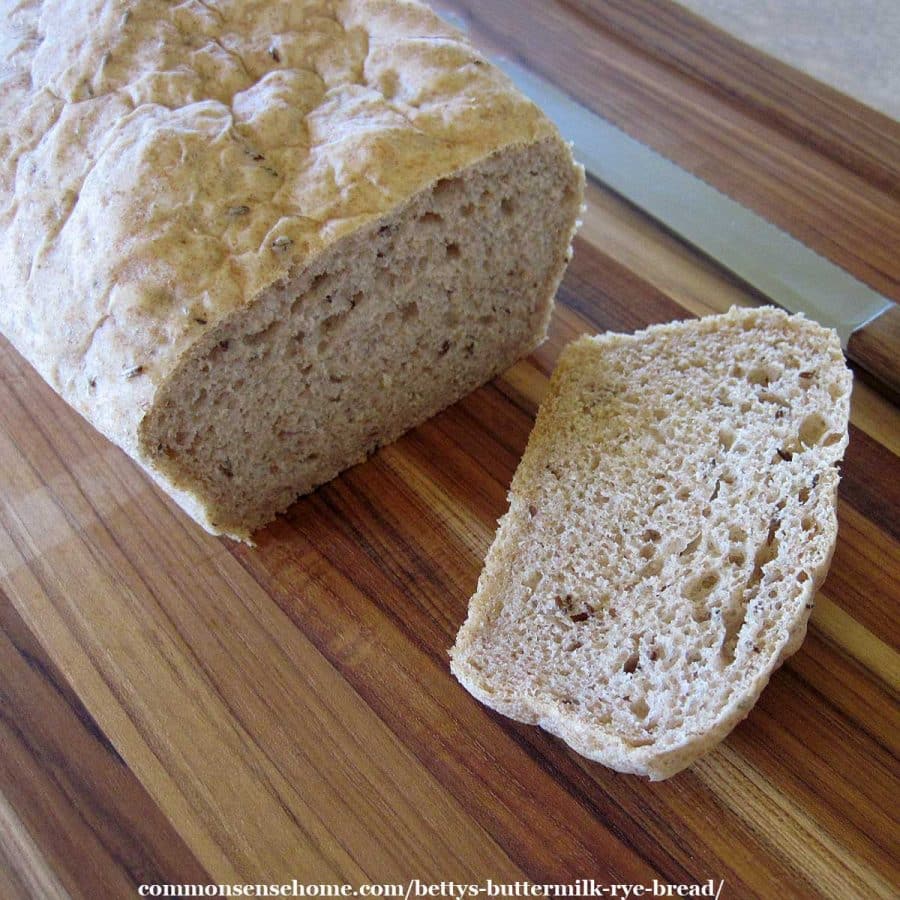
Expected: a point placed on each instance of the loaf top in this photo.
(161, 164)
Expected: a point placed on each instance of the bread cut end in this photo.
(669, 525)
(385, 329)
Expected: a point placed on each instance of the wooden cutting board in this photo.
(178, 708)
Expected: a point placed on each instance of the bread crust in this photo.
(504, 621)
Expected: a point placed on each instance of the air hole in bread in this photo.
(319, 283)
(630, 665)
(330, 324)
(221, 348)
(447, 187)
(697, 591)
(763, 375)
(812, 428)
(453, 250)
(831, 440)
(835, 391)
(734, 620)
(507, 206)
(266, 335)
(691, 546)
(640, 708)
(767, 551)
(409, 312)
(431, 218)
(726, 437)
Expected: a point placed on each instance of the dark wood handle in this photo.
(876, 349)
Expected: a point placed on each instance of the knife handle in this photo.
(875, 348)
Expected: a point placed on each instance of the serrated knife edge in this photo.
(759, 253)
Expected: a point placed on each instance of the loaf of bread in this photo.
(668, 527)
(253, 240)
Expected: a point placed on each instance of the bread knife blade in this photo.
(759, 253)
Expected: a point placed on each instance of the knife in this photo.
(759, 253)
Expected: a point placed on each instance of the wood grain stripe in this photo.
(857, 641)
(870, 481)
(829, 868)
(773, 93)
(822, 788)
(24, 871)
(71, 787)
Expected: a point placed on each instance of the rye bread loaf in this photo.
(251, 241)
(668, 527)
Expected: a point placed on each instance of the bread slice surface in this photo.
(185, 188)
(669, 524)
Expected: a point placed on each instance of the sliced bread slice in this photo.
(669, 525)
